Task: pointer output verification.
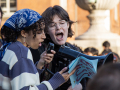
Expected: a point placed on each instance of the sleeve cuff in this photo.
(56, 80)
(47, 84)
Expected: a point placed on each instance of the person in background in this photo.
(107, 49)
(91, 51)
(57, 32)
(107, 78)
(26, 28)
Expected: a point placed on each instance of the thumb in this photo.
(63, 70)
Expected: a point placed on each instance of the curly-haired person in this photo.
(26, 28)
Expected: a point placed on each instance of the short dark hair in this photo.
(106, 44)
(50, 12)
(92, 50)
(107, 78)
(1, 12)
(11, 35)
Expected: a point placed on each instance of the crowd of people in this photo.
(26, 65)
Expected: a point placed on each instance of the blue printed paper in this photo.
(87, 68)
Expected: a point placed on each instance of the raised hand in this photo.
(67, 75)
(45, 59)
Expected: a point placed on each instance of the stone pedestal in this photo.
(97, 33)
(97, 29)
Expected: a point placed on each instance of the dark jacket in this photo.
(116, 56)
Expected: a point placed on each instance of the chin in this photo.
(60, 43)
(34, 47)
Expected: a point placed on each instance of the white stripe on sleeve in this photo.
(4, 82)
(10, 58)
(25, 79)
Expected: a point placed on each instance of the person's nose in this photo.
(43, 35)
(58, 26)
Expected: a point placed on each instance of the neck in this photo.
(21, 40)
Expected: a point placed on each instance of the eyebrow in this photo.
(59, 21)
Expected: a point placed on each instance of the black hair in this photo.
(106, 44)
(92, 50)
(11, 35)
(49, 14)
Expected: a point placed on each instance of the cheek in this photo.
(66, 32)
(28, 40)
(51, 33)
(37, 38)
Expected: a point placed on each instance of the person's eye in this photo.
(39, 32)
(63, 22)
(52, 25)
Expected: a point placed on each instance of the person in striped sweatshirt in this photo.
(17, 70)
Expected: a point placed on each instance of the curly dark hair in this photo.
(11, 35)
(49, 14)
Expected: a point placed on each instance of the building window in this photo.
(8, 7)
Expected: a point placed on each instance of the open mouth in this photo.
(59, 36)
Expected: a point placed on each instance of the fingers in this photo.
(47, 61)
(50, 55)
(73, 70)
(63, 70)
(47, 57)
(43, 54)
(53, 52)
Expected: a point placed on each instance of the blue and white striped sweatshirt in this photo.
(18, 72)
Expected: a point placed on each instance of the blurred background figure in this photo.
(107, 49)
(107, 78)
(91, 51)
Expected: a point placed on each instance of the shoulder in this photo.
(116, 56)
(19, 50)
(16, 53)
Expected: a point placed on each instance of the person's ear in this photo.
(23, 33)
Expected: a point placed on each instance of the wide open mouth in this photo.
(59, 36)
